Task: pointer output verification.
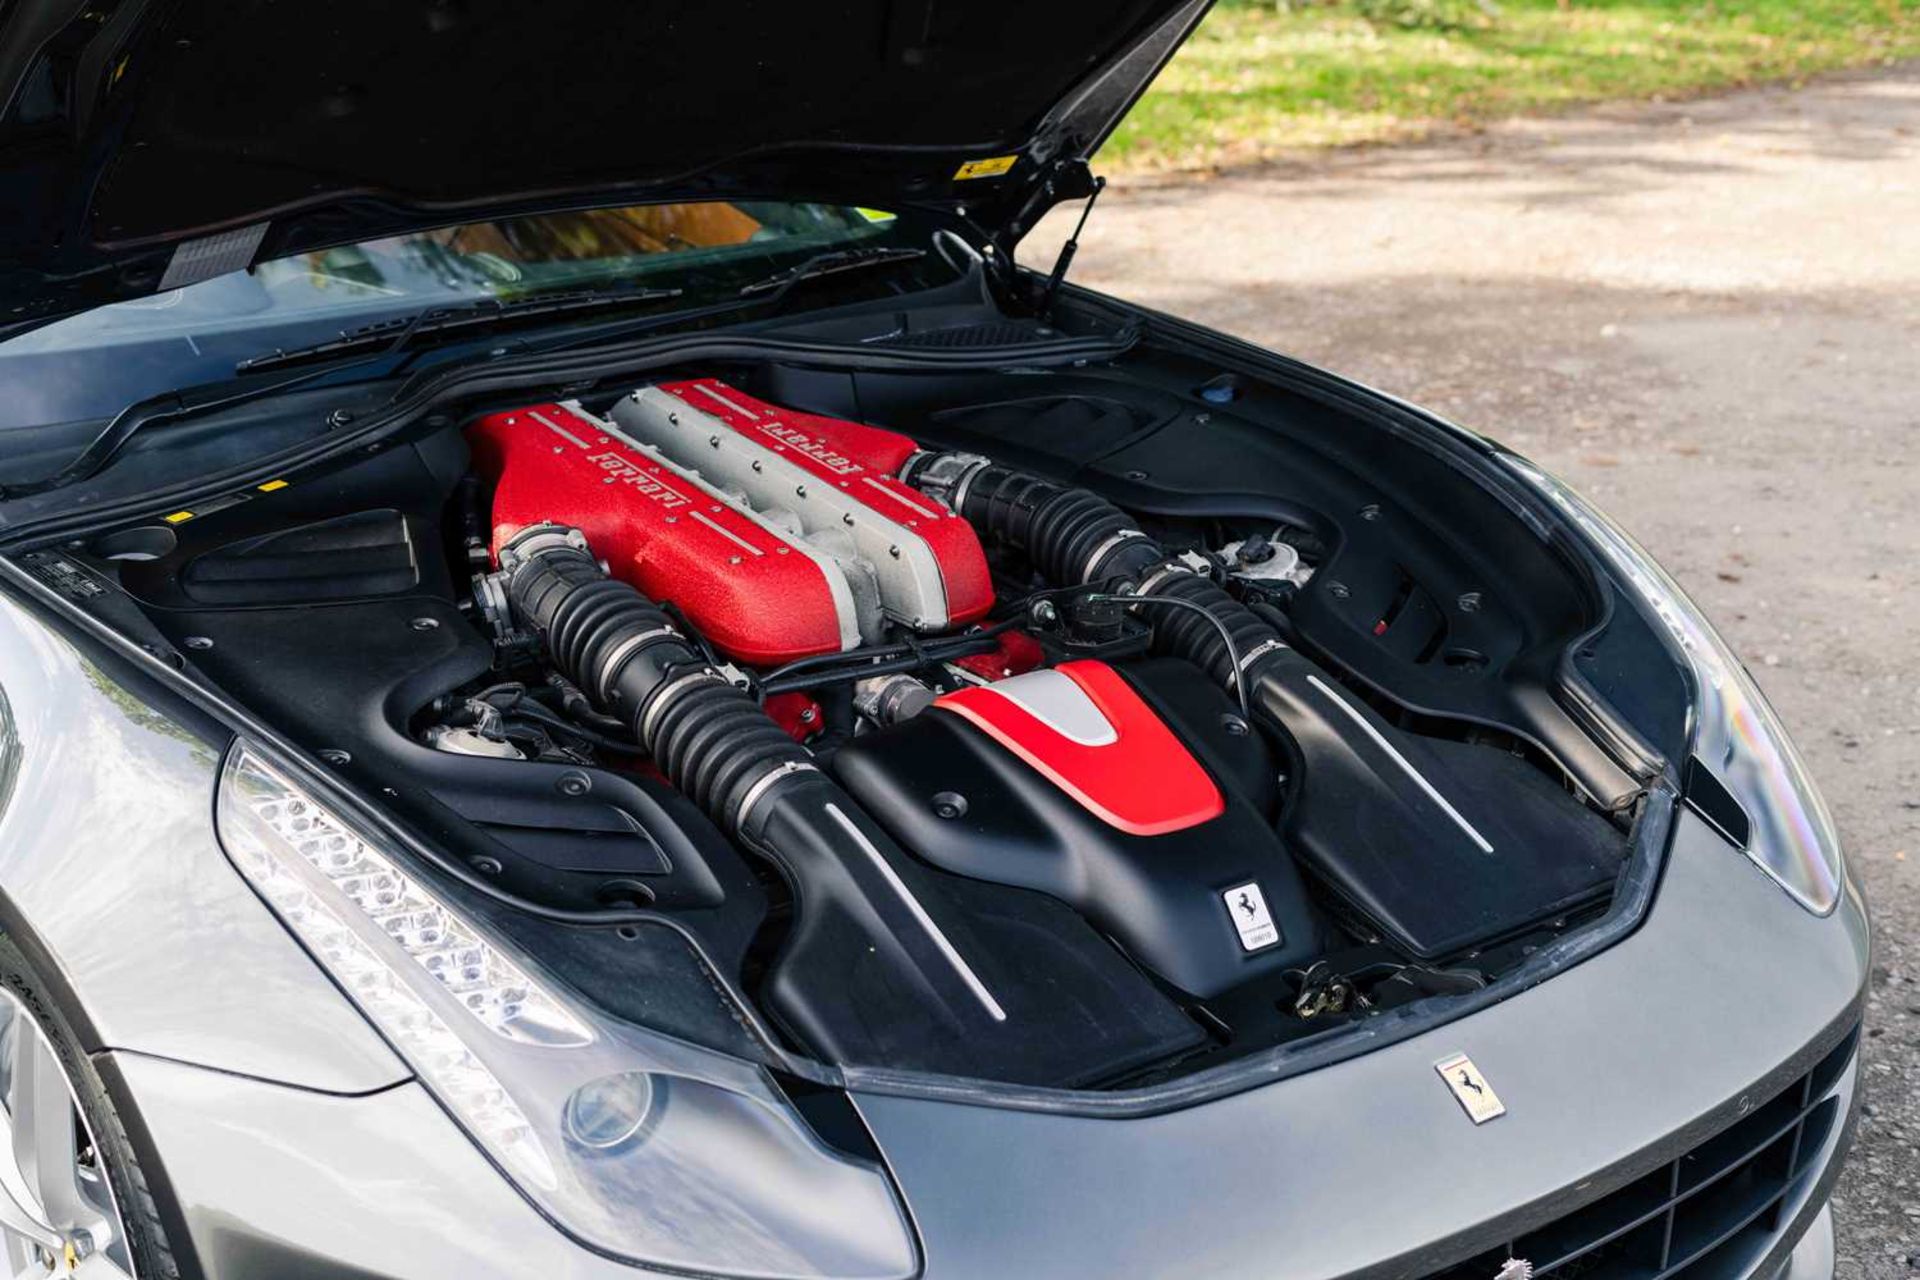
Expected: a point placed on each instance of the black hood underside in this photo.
(129, 130)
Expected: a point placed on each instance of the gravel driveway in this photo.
(1706, 315)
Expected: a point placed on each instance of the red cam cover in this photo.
(861, 462)
(758, 595)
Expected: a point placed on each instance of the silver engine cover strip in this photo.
(912, 589)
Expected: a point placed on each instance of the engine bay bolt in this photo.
(1045, 613)
(847, 520)
(1370, 512)
(1469, 602)
(1234, 725)
(758, 465)
(800, 491)
(198, 642)
(713, 441)
(1338, 590)
(340, 417)
(894, 552)
(674, 418)
(573, 783)
(336, 757)
(949, 805)
(425, 624)
(1136, 475)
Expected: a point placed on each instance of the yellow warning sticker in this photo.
(876, 215)
(179, 517)
(991, 167)
(271, 485)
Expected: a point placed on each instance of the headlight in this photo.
(641, 1146)
(1736, 736)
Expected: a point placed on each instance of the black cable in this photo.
(535, 711)
(520, 701)
(1016, 611)
(905, 661)
(684, 625)
(869, 660)
(1233, 650)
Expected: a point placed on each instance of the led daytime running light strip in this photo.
(317, 874)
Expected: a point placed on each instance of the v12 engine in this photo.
(779, 535)
(974, 799)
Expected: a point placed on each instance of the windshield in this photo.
(91, 365)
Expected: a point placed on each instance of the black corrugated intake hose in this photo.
(1071, 535)
(710, 737)
(1074, 537)
(1188, 635)
(884, 963)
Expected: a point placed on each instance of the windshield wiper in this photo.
(377, 341)
(384, 335)
(836, 262)
(171, 406)
(760, 294)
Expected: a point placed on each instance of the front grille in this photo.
(1706, 1215)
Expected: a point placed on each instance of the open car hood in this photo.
(146, 144)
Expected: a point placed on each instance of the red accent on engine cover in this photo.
(863, 460)
(744, 585)
(1130, 771)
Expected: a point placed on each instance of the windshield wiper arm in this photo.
(837, 262)
(171, 406)
(759, 294)
(380, 340)
(393, 335)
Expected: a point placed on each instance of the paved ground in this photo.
(1708, 316)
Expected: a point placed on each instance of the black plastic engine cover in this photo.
(1168, 899)
(1436, 846)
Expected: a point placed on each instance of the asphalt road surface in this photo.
(1707, 316)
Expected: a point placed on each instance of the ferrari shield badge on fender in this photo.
(1475, 1095)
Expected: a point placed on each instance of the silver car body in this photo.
(293, 1142)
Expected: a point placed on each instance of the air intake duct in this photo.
(1438, 845)
(707, 735)
(888, 962)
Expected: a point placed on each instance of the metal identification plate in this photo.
(1475, 1095)
(1248, 907)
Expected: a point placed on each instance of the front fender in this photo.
(112, 879)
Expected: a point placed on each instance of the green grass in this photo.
(1258, 79)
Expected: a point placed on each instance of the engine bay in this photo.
(1070, 731)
